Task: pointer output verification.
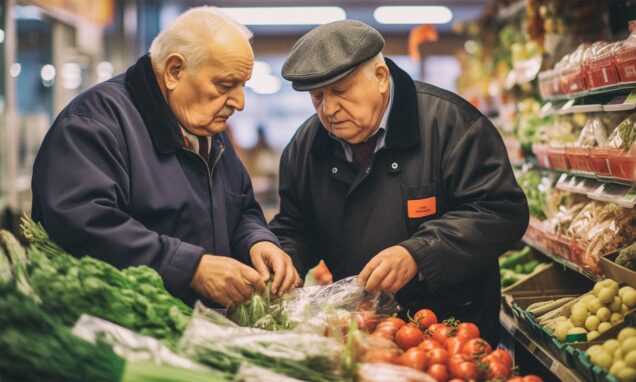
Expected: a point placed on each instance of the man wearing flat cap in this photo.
(396, 180)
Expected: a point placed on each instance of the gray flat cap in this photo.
(329, 53)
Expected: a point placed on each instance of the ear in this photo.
(173, 70)
(382, 74)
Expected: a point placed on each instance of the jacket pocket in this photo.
(419, 204)
(234, 205)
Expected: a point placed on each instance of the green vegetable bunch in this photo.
(261, 311)
(134, 297)
(531, 183)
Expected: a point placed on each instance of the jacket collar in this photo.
(403, 131)
(162, 125)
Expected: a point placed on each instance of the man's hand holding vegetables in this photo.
(139, 169)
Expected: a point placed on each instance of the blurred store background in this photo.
(52, 50)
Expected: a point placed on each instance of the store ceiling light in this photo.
(413, 14)
(285, 15)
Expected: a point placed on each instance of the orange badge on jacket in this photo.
(421, 207)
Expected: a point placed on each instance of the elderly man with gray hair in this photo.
(396, 180)
(139, 171)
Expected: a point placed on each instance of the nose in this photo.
(236, 98)
(329, 105)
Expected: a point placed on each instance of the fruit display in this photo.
(588, 316)
(617, 355)
(444, 350)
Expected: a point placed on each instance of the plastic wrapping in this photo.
(610, 235)
(226, 347)
(325, 310)
(561, 221)
(625, 57)
(130, 345)
(253, 373)
(584, 221)
(382, 372)
(594, 133)
(624, 134)
(600, 65)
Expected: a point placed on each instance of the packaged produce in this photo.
(382, 372)
(625, 56)
(572, 73)
(600, 65)
(624, 134)
(608, 236)
(594, 132)
(227, 346)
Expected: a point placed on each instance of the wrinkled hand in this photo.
(268, 257)
(225, 280)
(389, 270)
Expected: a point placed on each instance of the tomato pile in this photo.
(447, 350)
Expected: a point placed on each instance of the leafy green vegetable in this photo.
(530, 182)
(134, 298)
(261, 311)
(151, 372)
(37, 347)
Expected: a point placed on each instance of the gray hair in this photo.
(189, 33)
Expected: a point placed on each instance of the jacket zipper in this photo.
(209, 169)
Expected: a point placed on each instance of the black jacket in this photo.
(437, 146)
(113, 180)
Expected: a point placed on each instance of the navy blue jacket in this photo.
(114, 180)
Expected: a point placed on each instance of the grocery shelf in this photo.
(618, 88)
(563, 261)
(556, 367)
(610, 192)
(601, 179)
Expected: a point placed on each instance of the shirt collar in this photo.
(382, 128)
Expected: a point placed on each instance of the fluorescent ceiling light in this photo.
(413, 15)
(285, 15)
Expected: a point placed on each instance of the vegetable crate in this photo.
(536, 233)
(577, 252)
(598, 160)
(579, 159)
(558, 245)
(580, 361)
(621, 163)
(617, 272)
(602, 72)
(557, 158)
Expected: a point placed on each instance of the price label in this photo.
(630, 197)
(631, 98)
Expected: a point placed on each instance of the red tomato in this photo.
(453, 345)
(497, 370)
(438, 371)
(532, 378)
(515, 379)
(366, 321)
(439, 332)
(387, 327)
(476, 348)
(425, 318)
(429, 344)
(467, 331)
(398, 322)
(465, 370)
(408, 336)
(383, 334)
(501, 356)
(381, 355)
(437, 355)
(415, 358)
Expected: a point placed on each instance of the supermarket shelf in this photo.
(601, 179)
(622, 194)
(556, 367)
(565, 262)
(618, 88)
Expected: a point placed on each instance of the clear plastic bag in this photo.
(382, 372)
(594, 133)
(584, 221)
(608, 236)
(227, 347)
(253, 373)
(624, 135)
(130, 345)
